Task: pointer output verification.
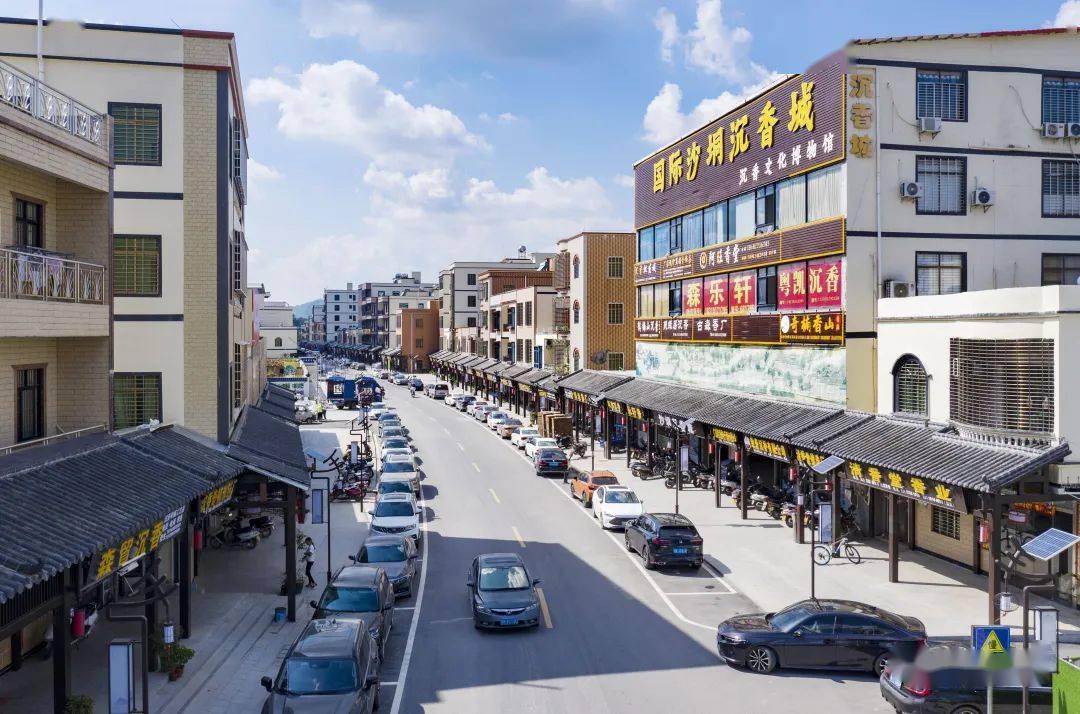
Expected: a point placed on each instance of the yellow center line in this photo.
(520, 540)
(544, 609)
(494, 495)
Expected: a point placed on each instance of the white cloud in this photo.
(624, 180)
(711, 46)
(344, 103)
(261, 173)
(410, 83)
(487, 75)
(665, 121)
(1068, 15)
(507, 117)
(374, 28)
(668, 26)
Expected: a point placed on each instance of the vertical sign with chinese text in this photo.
(825, 283)
(791, 286)
(742, 291)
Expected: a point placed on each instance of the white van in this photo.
(439, 390)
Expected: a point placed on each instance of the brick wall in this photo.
(82, 382)
(28, 183)
(82, 224)
(600, 290)
(16, 351)
(48, 149)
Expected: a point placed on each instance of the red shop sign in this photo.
(825, 283)
(742, 291)
(791, 286)
(692, 298)
(716, 290)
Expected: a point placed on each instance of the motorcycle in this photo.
(264, 524)
(347, 490)
(232, 533)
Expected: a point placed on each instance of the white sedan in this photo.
(496, 418)
(391, 454)
(539, 442)
(615, 506)
(473, 407)
(518, 437)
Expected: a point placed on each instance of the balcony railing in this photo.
(41, 101)
(37, 276)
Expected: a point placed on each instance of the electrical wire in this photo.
(1020, 102)
(892, 101)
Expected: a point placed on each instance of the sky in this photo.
(400, 135)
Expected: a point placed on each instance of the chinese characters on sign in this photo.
(920, 489)
(791, 287)
(766, 448)
(742, 291)
(693, 297)
(824, 279)
(808, 458)
(613, 406)
(716, 289)
(822, 328)
(217, 497)
(813, 327)
(724, 435)
(635, 413)
(130, 549)
(860, 91)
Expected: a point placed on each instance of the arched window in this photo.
(278, 342)
(577, 312)
(577, 359)
(577, 267)
(909, 386)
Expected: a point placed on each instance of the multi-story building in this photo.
(56, 231)
(509, 298)
(390, 309)
(375, 323)
(276, 328)
(318, 322)
(459, 294)
(417, 337)
(340, 311)
(179, 144)
(594, 275)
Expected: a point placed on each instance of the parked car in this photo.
(539, 442)
(664, 539)
(551, 462)
(401, 470)
(518, 437)
(395, 442)
(476, 404)
(400, 379)
(332, 666)
(613, 506)
(481, 413)
(393, 431)
(439, 390)
(501, 592)
(377, 408)
(494, 418)
(398, 454)
(507, 428)
(462, 402)
(384, 424)
(360, 592)
(392, 485)
(961, 689)
(396, 554)
(397, 514)
(820, 634)
(384, 374)
(389, 415)
(586, 482)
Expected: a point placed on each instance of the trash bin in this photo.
(279, 614)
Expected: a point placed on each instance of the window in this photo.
(470, 278)
(940, 273)
(519, 354)
(470, 301)
(675, 235)
(661, 240)
(614, 266)
(29, 403)
(237, 150)
(136, 133)
(791, 202)
(615, 361)
(766, 288)
(419, 343)
(528, 313)
(674, 296)
(645, 244)
(1060, 99)
(528, 350)
(765, 209)
(1061, 189)
(713, 224)
(693, 226)
(577, 359)
(278, 342)
(909, 386)
(577, 267)
(419, 323)
(615, 313)
(741, 217)
(470, 322)
(1061, 269)
(577, 312)
(136, 398)
(337, 308)
(943, 183)
(945, 522)
(336, 297)
(645, 301)
(137, 266)
(237, 376)
(941, 94)
(825, 193)
(29, 223)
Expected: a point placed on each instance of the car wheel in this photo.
(965, 709)
(646, 556)
(761, 660)
(881, 663)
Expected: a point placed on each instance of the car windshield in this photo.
(621, 497)
(341, 599)
(511, 422)
(528, 431)
(789, 617)
(393, 431)
(303, 675)
(396, 442)
(377, 405)
(550, 454)
(545, 442)
(393, 553)
(393, 509)
(604, 480)
(503, 577)
(397, 467)
(395, 487)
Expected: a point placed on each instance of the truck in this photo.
(341, 392)
(368, 390)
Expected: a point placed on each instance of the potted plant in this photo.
(79, 704)
(174, 658)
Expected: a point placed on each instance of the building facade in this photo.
(517, 323)
(276, 329)
(340, 311)
(500, 312)
(418, 337)
(375, 325)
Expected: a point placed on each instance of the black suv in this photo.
(332, 666)
(664, 539)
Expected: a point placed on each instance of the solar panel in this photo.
(1049, 543)
(827, 465)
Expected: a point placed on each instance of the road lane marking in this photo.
(682, 594)
(461, 447)
(520, 540)
(494, 495)
(544, 608)
(410, 641)
(446, 430)
(476, 467)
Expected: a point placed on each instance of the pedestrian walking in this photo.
(309, 560)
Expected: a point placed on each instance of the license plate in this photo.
(508, 621)
(679, 551)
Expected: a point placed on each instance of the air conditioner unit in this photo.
(929, 125)
(899, 289)
(1053, 130)
(982, 197)
(910, 189)
(1072, 129)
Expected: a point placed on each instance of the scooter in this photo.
(264, 524)
(351, 490)
(234, 534)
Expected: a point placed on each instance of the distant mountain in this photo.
(304, 309)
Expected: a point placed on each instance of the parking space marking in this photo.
(544, 608)
(520, 540)
(494, 495)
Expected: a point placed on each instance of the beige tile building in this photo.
(183, 343)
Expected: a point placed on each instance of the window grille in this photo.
(941, 94)
(1060, 99)
(1061, 188)
(943, 183)
(1003, 385)
(945, 522)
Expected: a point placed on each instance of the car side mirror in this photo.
(371, 681)
(469, 582)
(353, 559)
(797, 633)
(537, 581)
(314, 604)
(268, 684)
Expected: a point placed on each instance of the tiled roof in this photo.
(483, 364)
(271, 445)
(516, 371)
(533, 376)
(592, 382)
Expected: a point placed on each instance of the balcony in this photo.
(51, 295)
(39, 100)
(561, 320)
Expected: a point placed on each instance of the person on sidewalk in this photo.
(309, 560)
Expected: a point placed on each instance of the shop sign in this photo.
(507, 382)
(742, 291)
(765, 447)
(716, 289)
(860, 91)
(647, 329)
(677, 328)
(675, 423)
(914, 487)
(791, 286)
(693, 298)
(635, 413)
(131, 549)
(216, 498)
(1044, 509)
(525, 387)
(813, 328)
(712, 329)
(546, 393)
(577, 396)
(613, 406)
(825, 283)
(725, 436)
(808, 458)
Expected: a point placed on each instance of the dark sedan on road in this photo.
(551, 462)
(820, 634)
(664, 539)
(332, 667)
(363, 593)
(502, 593)
(396, 555)
(962, 690)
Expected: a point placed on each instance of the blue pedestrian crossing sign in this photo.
(991, 644)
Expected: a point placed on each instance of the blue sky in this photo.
(401, 135)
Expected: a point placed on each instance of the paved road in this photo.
(616, 638)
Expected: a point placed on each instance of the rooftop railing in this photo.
(41, 101)
(29, 274)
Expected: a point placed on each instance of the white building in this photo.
(340, 311)
(276, 328)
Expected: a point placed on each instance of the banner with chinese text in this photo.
(825, 283)
(791, 287)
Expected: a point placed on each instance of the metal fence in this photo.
(31, 275)
(39, 100)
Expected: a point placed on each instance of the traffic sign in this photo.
(991, 644)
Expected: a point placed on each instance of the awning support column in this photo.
(744, 497)
(834, 486)
(61, 645)
(607, 433)
(993, 585)
(290, 550)
(629, 440)
(976, 550)
(150, 610)
(894, 539)
(184, 563)
(716, 463)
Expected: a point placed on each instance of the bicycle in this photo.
(824, 553)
